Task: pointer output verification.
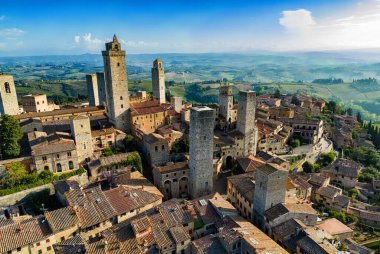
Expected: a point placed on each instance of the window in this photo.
(121, 98)
(18, 249)
(163, 147)
(7, 87)
(46, 168)
(47, 240)
(69, 154)
(122, 106)
(118, 64)
(48, 248)
(39, 251)
(59, 167)
(44, 158)
(57, 155)
(71, 165)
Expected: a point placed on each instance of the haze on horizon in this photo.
(144, 26)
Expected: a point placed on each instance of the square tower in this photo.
(8, 96)
(158, 81)
(246, 121)
(270, 190)
(201, 142)
(92, 89)
(115, 75)
(226, 102)
(81, 132)
(96, 89)
(176, 102)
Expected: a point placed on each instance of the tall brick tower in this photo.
(115, 75)
(226, 101)
(81, 132)
(246, 121)
(201, 142)
(158, 81)
(270, 190)
(8, 96)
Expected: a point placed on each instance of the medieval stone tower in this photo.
(226, 102)
(176, 102)
(81, 133)
(115, 75)
(8, 96)
(201, 141)
(158, 81)
(270, 190)
(96, 89)
(246, 121)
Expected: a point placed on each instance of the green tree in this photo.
(129, 143)
(359, 117)
(309, 167)
(295, 143)
(295, 101)
(349, 111)
(327, 158)
(10, 136)
(355, 134)
(277, 94)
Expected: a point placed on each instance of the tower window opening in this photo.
(118, 64)
(7, 87)
(121, 98)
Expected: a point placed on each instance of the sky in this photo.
(37, 27)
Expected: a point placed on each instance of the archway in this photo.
(183, 189)
(168, 189)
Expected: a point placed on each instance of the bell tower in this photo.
(115, 75)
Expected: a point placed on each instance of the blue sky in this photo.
(74, 27)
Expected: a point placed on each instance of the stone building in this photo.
(246, 121)
(81, 133)
(115, 75)
(96, 89)
(158, 81)
(37, 103)
(311, 130)
(172, 179)
(343, 173)
(176, 102)
(156, 149)
(8, 96)
(226, 103)
(201, 142)
(107, 137)
(56, 152)
(147, 117)
(270, 190)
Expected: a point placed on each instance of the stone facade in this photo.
(158, 81)
(115, 73)
(36, 103)
(172, 179)
(270, 190)
(81, 133)
(156, 149)
(97, 94)
(176, 102)
(226, 103)
(8, 96)
(246, 121)
(201, 142)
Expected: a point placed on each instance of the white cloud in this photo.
(88, 38)
(2, 17)
(358, 27)
(77, 38)
(11, 32)
(134, 44)
(297, 20)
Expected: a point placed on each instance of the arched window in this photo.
(71, 165)
(46, 168)
(7, 87)
(121, 98)
(59, 167)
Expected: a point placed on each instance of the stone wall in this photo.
(14, 198)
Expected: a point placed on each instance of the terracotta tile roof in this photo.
(244, 184)
(209, 244)
(344, 167)
(59, 112)
(91, 206)
(15, 235)
(179, 234)
(62, 218)
(124, 199)
(53, 146)
(287, 229)
(146, 107)
(334, 227)
(250, 163)
(310, 246)
(72, 245)
(171, 167)
(329, 191)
